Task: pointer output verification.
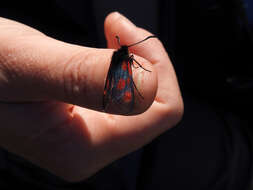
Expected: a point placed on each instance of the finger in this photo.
(152, 50)
(167, 108)
(145, 81)
(36, 67)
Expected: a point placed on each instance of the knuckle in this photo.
(176, 111)
(9, 72)
(179, 110)
(75, 81)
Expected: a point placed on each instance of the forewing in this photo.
(122, 88)
(108, 88)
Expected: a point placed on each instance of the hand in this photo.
(38, 74)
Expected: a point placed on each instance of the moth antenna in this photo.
(142, 41)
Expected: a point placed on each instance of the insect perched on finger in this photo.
(119, 84)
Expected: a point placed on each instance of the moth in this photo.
(119, 84)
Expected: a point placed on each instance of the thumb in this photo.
(35, 67)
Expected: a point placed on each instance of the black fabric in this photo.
(211, 49)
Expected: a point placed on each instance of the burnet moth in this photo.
(119, 84)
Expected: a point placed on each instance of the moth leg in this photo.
(132, 57)
(137, 90)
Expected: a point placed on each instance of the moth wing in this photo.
(123, 87)
(108, 88)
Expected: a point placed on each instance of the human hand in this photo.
(47, 85)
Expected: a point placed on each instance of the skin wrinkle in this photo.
(71, 75)
(66, 80)
(87, 90)
(77, 78)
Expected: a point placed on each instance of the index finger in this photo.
(167, 108)
(151, 50)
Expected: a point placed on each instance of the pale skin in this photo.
(47, 85)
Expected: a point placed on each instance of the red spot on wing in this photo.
(129, 69)
(128, 81)
(124, 66)
(121, 84)
(127, 96)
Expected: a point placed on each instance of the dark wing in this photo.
(108, 88)
(123, 87)
(119, 85)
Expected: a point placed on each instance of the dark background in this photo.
(210, 44)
